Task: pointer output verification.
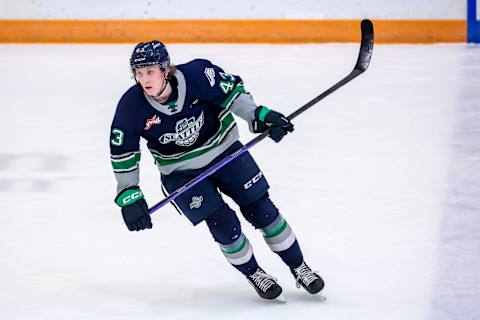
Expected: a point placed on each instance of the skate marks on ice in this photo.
(31, 172)
(296, 296)
(201, 300)
(301, 296)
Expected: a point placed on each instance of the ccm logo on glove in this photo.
(129, 196)
(132, 197)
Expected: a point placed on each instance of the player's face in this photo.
(152, 79)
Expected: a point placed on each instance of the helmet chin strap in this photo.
(161, 91)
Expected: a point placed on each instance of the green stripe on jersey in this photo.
(227, 123)
(126, 163)
(239, 88)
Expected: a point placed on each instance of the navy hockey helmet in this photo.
(149, 54)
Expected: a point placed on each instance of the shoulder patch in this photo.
(152, 121)
(210, 74)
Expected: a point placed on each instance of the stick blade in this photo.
(366, 46)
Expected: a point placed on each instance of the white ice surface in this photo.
(380, 182)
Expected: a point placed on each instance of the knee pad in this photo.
(265, 216)
(225, 229)
(224, 225)
(260, 213)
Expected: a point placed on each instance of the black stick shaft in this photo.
(362, 64)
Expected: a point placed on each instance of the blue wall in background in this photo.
(473, 33)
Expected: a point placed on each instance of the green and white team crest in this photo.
(187, 132)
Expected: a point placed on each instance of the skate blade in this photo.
(280, 299)
(322, 297)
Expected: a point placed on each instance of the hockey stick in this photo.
(364, 56)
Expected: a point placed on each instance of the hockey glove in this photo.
(266, 118)
(134, 209)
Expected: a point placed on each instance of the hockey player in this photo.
(185, 114)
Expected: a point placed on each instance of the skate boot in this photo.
(265, 285)
(307, 278)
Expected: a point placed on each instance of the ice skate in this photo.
(265, 285)
(308, 279)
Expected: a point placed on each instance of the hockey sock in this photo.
(263, 215)
(240, 255)
(226, 230)
(281, 239)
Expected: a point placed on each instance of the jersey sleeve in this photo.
(214, 85)
(244, 106)
(226, 90)
(124, 153)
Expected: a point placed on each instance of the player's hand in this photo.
(266, 118)
(134, 209)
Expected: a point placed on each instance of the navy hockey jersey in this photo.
(189, 131)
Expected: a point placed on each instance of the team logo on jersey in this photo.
(187, 132)
(196, 202)
(150, 122)
(172, 106)
(210, 74)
